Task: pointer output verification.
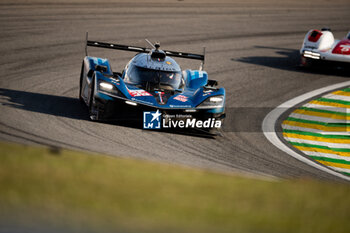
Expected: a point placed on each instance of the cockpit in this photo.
(147, 78)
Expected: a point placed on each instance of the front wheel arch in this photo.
(81, 83)
(93, 111)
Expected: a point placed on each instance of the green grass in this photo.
(76, 192)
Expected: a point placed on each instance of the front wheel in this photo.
(93, 110)
(81, 83)
(306, 62)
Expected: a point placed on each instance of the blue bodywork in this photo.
(194, 91)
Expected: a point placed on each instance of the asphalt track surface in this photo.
(252, 50)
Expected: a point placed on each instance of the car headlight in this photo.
(213, 102)
(107, 87)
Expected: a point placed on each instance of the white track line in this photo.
(337, 97)
(317, 118)
(328, 108)
(291, 127)
(339, 145)
(326, 155)
(341, 169)
(269, 123)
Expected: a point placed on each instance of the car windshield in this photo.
(143, 76)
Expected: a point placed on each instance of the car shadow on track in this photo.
(68, 107)
(44, 103)
(291, 61)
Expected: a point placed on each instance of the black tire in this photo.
(217, 131)
(93, 111)
(81, 84)
(306, 62)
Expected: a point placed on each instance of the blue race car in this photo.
(151, 85)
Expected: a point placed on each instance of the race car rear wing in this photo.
(144, 50)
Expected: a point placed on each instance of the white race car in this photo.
(320, 46)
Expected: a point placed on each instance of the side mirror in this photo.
(212, 83)
(117, 74)
(101, 68)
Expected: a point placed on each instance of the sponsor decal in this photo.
(155, 120)
(115, 81)
(160, 94)
(207, 92)
(343, 47)
(180, 106)
(141, 101)
(152, 120)
(181, 98)
(137, 93)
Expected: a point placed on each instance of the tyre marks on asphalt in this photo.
(321, 130)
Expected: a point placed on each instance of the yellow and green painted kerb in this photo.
(321, 130)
